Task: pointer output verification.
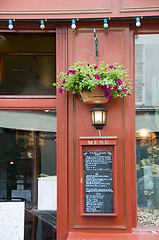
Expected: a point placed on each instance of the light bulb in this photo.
(138, 23)
(10, 26)
(42, 25)
(73, 26)
(105, 23)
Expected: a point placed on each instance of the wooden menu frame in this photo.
(99, 145)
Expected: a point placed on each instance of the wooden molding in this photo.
(137, 9)
(105, 9)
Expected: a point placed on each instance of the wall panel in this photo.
(54, 7)
(140, 5)
(112, 44)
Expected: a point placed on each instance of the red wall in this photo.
(116, 44)
(77, 9)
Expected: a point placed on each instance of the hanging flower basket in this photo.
(94, 97)
(112, 80)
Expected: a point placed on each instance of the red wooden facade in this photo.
(116, 44)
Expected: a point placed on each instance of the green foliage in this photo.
(84, 77)
(151, 174)
(137, 167)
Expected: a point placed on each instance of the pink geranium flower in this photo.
(111, 66)
(107, 88)
(97, 76)
(60, 90)
(124, 90)
(99, 86)
(120, 82)
(107, 95)
(115, 88)
(73, 71)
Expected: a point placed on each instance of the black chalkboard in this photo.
(97, 161)
(98, 183)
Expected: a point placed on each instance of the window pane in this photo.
(27, 42)
(28, 75)
(28, 64)
(28, 169)
(147, 128)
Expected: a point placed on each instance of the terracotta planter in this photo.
(94, 97)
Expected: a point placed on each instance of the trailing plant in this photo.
(84, 77)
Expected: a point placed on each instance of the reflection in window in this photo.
(28, 64)
(147, 128)
(28, 75)
(28, 168)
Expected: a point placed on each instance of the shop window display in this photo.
(147, 128)
(28, 168)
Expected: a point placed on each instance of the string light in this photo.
(138, 23)
(42, 25)
(73, 26)
(10, 26)
(105, 23)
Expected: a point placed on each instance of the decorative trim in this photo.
(74, 139)
(106, 137)
(100, 227)
(79, 11)
(98, 145)
(74, 162)
(135, 9)
(98, 30)
(57, 12)
(123, 150)
(62, 136)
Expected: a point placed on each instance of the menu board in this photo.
(98, 183)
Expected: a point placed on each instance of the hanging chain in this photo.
(96, 44)
(95, 48)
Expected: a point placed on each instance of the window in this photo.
(28, 167)
(28, 133)
(147, 128)
(27, 65)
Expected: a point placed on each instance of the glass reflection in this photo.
(28, 168)
(27, 63)
(147, 128)
(28, 75)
